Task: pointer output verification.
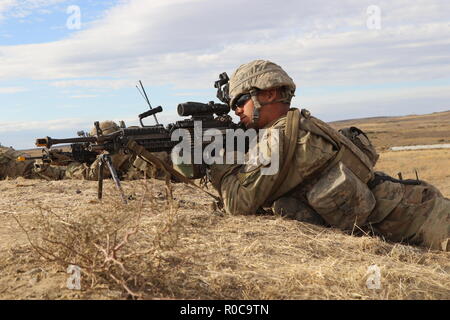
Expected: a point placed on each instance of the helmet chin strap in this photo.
(257, 105)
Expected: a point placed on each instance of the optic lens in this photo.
(242, 100)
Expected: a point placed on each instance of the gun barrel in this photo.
(47, 142)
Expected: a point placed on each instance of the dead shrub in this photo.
(121, 246)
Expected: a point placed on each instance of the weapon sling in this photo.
(145, 155)
(290, 143)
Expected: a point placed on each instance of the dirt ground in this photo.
(185, 249)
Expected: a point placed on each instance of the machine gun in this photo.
(59, 157)
(142, 141)
(53, 156)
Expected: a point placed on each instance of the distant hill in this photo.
(35, 152)
(386, 132)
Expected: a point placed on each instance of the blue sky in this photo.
(348, 61)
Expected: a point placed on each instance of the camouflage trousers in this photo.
(412, 214)
(415, 214)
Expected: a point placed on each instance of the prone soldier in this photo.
(11, 168)
(325, 177)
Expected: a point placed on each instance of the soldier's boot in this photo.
(294, 208)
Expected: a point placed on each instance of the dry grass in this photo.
(197, 254)
(121, 246)
(186, 250)
(272, 258)
(431, 165)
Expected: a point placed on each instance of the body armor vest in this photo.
(338, 191)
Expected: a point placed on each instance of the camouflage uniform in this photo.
(325, 178)
(11, 168)
(128, 167)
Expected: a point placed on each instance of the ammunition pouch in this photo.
(341, 198)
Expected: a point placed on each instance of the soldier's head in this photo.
(260, 92)
(107, 127)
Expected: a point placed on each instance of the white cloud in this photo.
(75, 124)
(24, 8)
(6, 5)
(187, 43)
(376, 102)
(9, 90)
(110, 84)
(58, 124)
(83, 96)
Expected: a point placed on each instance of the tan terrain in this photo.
(185, 249)
(386, 132)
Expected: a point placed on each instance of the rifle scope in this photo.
(199, 109)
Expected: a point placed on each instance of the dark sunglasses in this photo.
(241, 101)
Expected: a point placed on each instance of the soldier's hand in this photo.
(39, 167)
(216, 173)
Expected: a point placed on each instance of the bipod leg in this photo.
(101, 166)
(107, 158)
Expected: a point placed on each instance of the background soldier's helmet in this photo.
(260, 74)
(107, 127)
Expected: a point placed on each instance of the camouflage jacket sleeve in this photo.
(247, 187)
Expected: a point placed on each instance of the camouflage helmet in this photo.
(260, 74)
(107, 127)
